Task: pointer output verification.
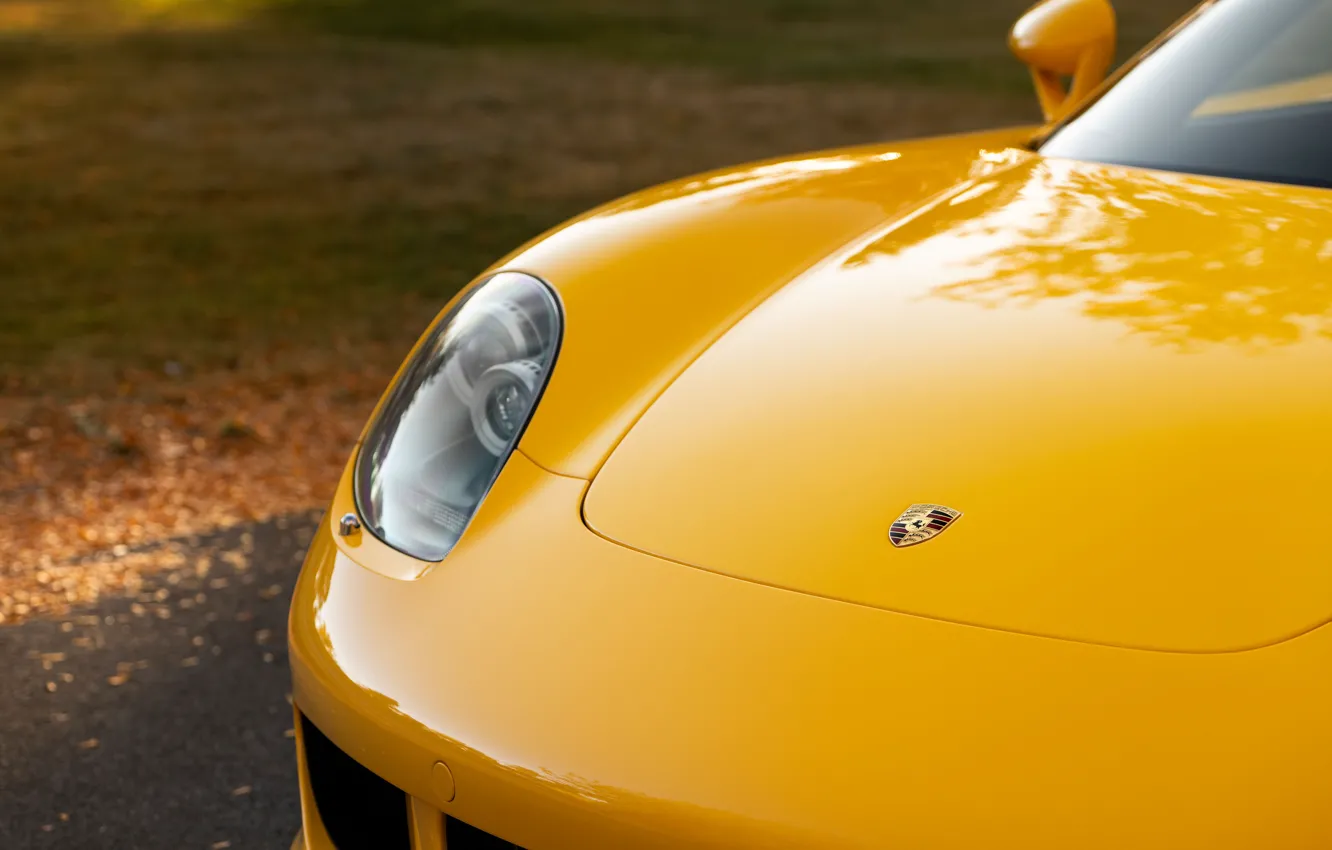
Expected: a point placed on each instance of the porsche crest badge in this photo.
(919, 523)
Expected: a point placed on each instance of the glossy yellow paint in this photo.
(676, 620)
(1065, 38)
(1120, 377)
(650, 281)
(426, 825)
(1117, 375)
(586, 695)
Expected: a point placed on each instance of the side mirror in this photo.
(1060, 39)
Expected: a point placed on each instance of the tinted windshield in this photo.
(1244, 91)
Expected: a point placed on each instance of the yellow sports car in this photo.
(963, 493)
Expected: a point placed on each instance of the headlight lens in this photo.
(455, 415)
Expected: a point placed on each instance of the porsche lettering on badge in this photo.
(919, 523)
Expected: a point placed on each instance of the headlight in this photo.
(455, 415)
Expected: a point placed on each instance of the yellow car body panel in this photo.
(1122, 378)
(587, 695)
(677, 620)
(650, 281)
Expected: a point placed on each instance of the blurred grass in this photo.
(212, 182)
(826, 40)
(923, 42)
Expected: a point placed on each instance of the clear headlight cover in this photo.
(455, 415)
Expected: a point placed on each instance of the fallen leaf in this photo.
(119, 471)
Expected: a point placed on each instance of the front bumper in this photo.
(345, 806)
(459, 686)
(584, 695)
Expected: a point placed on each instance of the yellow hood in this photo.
(648, 282)
(1122, 379)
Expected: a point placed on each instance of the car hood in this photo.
(650, 281)
(1123, 379)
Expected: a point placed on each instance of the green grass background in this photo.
(933, 42)
(215, 182)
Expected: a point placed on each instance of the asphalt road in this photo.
(158, 730)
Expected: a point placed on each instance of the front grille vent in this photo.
(460, 836)
(359, 810)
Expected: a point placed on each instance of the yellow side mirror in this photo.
(1065, 38)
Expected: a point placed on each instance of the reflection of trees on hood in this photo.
(1183, 259)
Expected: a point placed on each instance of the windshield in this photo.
(1245, 90)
